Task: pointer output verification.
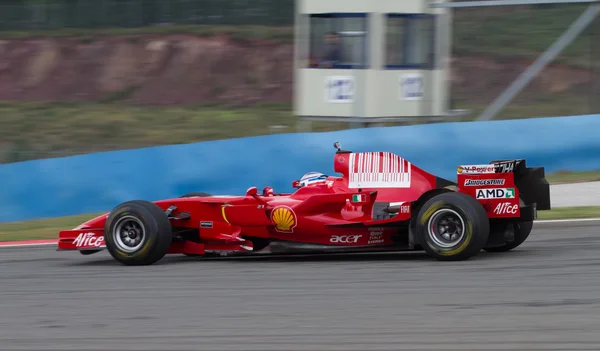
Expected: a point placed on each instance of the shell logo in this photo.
(460, 169)
(284, 218)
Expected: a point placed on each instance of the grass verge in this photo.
(40, 229)
(36, 130)
(49, 228)
(571, 213)
(42, 130)
(573, 177)
(523, 32)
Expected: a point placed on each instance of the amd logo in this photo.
(498, 193)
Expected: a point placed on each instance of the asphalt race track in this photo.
(543, 296)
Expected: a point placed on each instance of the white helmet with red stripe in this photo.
(313, 178)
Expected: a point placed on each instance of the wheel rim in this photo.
(129, 234)
(446, 228)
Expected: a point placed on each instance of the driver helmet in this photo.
(313, 178)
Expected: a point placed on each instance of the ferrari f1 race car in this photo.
(381, 202)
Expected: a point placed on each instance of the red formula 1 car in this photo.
(381, 202)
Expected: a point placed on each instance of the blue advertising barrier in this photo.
(98, 182)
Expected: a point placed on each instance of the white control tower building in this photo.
(371, 61)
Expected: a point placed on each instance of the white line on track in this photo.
(574, 220)
(23, 245)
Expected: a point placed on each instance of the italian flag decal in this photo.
(359, 198)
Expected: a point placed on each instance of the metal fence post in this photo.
(559, 45)
(594, 67)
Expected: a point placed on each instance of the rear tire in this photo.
(452, 226)
(138, 233)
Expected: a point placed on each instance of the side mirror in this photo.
(337, 145)
(252, 191)
(296, 184)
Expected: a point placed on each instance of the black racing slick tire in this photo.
(521, 230)
(138, 233)
(452, 227)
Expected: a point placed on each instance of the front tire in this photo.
(138, 233)
(452, 227)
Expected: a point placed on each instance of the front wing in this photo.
(81, 239)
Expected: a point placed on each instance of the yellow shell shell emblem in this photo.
(284, 219)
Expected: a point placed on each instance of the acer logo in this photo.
(89, 239)
(506, 208)
(345, 239)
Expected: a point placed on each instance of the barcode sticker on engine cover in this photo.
(378, 170)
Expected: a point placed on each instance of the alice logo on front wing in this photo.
(88, 240)
(284, 218)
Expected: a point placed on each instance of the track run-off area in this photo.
(542, 296)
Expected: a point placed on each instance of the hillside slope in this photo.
(176, 69)
(162, 70)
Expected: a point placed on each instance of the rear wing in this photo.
(531, 181)
(506, 188)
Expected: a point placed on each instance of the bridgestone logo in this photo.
(483, 182)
